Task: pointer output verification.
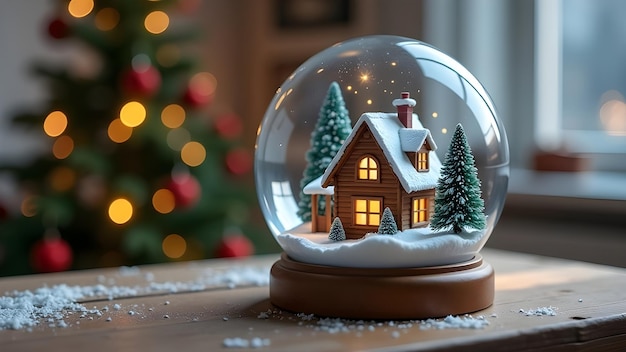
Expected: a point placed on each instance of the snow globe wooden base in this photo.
(389, 293)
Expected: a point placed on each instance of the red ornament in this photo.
(236, 245)
(239, 161)
(51, 255)
(144, 82)
(186, 189)
(228, 126)
(58, 29)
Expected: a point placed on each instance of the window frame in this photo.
(368, 213)
(417, 210)
(368, 169)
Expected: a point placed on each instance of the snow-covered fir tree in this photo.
(331, 130)
(458, 202)
(337, 233)
(388, 224)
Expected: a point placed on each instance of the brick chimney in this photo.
(405, 109)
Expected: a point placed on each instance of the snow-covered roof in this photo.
(315, 187)
(411, 139)
(403, 101)
(387, 129)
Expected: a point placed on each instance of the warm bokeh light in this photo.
(80, 8)
(163, 201)
(120, 211)
(435, 115)
(613, 117)
(156, 22)
(174, 246)
(55, 123)
(168, 55)
(118, 132)
(62, 179)
(444, 130)
(204, 83)
(193, 153)
(177, 138)
(107, 19)
(29, 206)
(63, 147)
(173, 116)
(133, 114)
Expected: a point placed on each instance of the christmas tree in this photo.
(457, 200)
(331, 130)
(140, 169)
(388, 224)
(337, 232)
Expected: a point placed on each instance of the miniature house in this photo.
(385, 162)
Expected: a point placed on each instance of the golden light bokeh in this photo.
(204, 83)
(156, 22)
(107, 19)
(163, 201)
(118, 132)
(168, 55)
(193, 154)
(80, 8)
(63, 147)
(62, 179)
(174, 246)
(55, 123)
(120, 211)
(173, 116)
(29, 206)
(177, 138)
(133, 114)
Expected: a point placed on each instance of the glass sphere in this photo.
(372, 71)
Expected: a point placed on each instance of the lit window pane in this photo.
(374, 206)
(361, 219)
(361, 206)
(374, 219)
(373, 175)
(363, 174)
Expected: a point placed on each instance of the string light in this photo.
(193, 153)
(107, 19)
(133, 114)
(55, 123)
(156, 22)
(173, 116)
(120, 211)
(62, 179)
(435, 115)
(444, 130)
(118, 132)
(63, 147)
(174, 246)
(29, 206)
(163, 201)
(80, 8)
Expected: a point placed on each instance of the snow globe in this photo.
(381, 168)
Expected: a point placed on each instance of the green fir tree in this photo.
(331, 130)
(139, 168)
(458, 202)
(337, 232)
(388, 224)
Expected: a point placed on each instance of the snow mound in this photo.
(411, 248)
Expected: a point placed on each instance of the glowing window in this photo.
(367, 212)
(367, 169)
(422, 161)
(419, 210)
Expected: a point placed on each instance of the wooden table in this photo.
(589, 300)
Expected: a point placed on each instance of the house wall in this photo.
(347, 185)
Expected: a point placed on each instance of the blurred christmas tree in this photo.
(139, 171)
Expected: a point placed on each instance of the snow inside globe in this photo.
(381, 152)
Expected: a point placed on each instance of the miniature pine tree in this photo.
(337, 233)
(331, 130)
(457, 200)
(388, 224)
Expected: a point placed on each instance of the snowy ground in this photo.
(412, 248)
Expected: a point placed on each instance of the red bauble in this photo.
(234, 246)
(228, 126)
(58, 29)
(186, 190)
(145, 81)
(51, 255)
(239, 161)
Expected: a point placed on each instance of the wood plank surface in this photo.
(589, 300)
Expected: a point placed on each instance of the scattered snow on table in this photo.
(541, 311)
(25, 309)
